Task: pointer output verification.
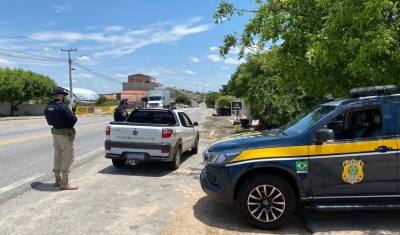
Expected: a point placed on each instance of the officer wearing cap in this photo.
(63, 121)
(120, 113)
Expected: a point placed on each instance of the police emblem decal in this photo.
(135, 132)
(353, 171)
(302, 166)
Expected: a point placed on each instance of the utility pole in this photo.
(71, 99)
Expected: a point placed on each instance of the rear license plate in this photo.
(135, 156)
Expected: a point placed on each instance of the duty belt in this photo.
(70, 132)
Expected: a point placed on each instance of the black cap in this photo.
(60, 90)
(123, 101)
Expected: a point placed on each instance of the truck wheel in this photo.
(118, 162)
(177, 160)
(195, 149)
(266, 201)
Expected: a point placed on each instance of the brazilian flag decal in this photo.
(302, 166)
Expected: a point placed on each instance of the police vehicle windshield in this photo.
(302, 122)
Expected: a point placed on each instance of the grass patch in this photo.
(238, 129)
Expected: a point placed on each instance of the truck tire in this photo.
(118, 162)
(195, 149)
(266, 201)
(174, 165)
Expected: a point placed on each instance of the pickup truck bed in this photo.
(151, 135)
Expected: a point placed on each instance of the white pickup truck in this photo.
(151, 135)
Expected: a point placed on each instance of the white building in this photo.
(82, 94)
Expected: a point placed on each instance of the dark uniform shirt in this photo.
(59, 115)
(120, 114)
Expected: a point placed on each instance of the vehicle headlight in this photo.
(218, 158)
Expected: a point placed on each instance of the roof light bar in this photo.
(379, 90)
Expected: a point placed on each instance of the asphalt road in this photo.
(147, 198)
(26, 154)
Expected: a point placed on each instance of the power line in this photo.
(46, 57)
(32, 58)
(23, 37)
(97, 73)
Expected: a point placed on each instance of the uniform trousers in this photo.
(63, 154)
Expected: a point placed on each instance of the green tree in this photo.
(211, 98)
(18, 86)
(225, 101)
(274, 98)
(329, 46)
(104, 101)
(183, 99)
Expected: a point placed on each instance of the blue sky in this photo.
(174, 41)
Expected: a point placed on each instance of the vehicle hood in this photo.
(251, 140)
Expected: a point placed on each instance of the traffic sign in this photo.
(82, 109)
(237, 105)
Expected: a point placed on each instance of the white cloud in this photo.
(194, 59)
(89, 27)
(153, 73)
(206, 85)
(73, 81)
(120, 75)
(83, 58)
(48, 24)
(114, 28)
(141, 69)
(233, 61)
(214, 58)
(62, 8)
(225, 67)
(190, 72)
(168, 71)
(84, 75)
(213, 48)
(6, 62)
(125, 42)
(161, 58)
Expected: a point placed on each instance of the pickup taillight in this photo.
(108, 130)
(167, 132)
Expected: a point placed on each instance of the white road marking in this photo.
(90, 153)
(19, 183)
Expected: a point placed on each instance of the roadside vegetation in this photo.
(320, 50)
(18, 86)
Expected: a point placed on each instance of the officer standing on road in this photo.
(120, 113)
(63, 121)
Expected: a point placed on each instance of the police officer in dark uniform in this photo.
(120, 114)
(63, 121)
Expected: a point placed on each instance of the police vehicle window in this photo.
(152, 117)
(306, 120)
(357, 124)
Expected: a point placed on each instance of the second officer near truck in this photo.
(120, 113)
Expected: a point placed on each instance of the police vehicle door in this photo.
(185, 133)
(363, 158)
(396, 120)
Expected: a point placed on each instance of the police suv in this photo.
(341, 156)
(151, 135)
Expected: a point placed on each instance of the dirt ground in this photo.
(193, 217)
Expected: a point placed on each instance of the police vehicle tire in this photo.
(174, 165)
(118, 162)
(195, 149)
(279, 201)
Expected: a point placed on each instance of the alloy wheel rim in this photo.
(266, 203)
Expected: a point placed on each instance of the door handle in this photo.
(383, 149)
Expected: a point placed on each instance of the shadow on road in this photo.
(227, 217)
(147, 169)
(45, 187)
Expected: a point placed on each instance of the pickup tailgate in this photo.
(137, 134)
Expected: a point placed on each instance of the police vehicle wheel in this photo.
(174, 165)
(118, 162)
(266, 201)
(195, 149)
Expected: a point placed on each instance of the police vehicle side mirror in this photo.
(324, 135)
(195, 123)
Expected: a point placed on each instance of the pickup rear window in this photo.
(150, 116)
